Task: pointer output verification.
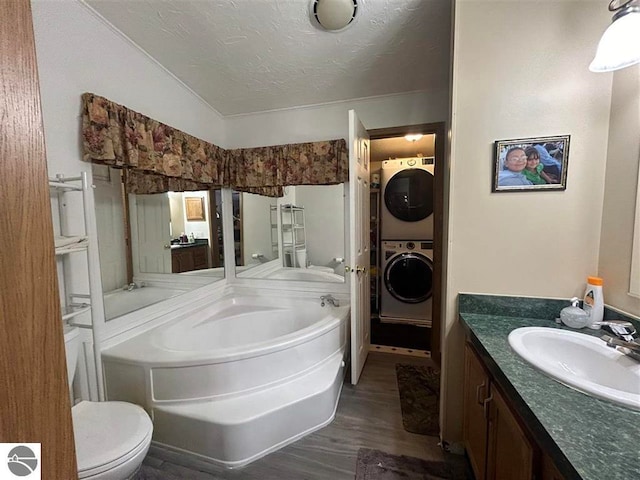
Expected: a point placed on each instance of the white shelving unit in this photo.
(293, 234)
(273, 218)
(73, 191)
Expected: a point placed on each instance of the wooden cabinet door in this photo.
(510, 454)
(476, 388)
(549, 470)
(200, 257)
(182, 260)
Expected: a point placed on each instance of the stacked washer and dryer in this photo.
(406, 231)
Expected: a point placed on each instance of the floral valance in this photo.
(160, 158)
(314, 163)
(117, 136)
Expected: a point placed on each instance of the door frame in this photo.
(35, 395)
(438, 129)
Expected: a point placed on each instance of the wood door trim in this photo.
(35, 392)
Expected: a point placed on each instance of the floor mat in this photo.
(148, 472)
(419, 389)
(378, 465)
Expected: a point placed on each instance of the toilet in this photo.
(112, 438)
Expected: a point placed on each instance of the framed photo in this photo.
(194, 206)
(528, 164)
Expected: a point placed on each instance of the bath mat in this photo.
(377, 465)
(147, 472)
(419, 389)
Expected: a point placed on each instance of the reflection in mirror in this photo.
(255, 243)
(297, 237)
(163, 245)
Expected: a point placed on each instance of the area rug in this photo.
(378, 465)
(419, 389)
(147, 472)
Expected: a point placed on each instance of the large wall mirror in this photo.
(156, 246)
(159, 246)
(296, 237)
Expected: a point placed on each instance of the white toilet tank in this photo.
(72, 347)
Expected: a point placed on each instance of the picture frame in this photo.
(515, 168)
(194, 208)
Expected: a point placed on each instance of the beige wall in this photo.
(520, 70)
(620, 190)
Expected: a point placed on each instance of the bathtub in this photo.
(311, 274)
(236, 379)
(121, 302)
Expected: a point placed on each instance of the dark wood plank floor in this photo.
(368, 416)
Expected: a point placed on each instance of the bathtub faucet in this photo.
(330, 300)
(133, 286)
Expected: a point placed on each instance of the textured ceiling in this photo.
(244, 56)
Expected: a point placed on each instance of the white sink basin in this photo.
(580, 361)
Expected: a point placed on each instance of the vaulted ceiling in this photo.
(245, 56)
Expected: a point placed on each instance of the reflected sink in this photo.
(580, 361)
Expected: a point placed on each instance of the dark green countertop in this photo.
(588, 438)
(198, 243)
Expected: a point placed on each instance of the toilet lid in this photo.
(105, 432)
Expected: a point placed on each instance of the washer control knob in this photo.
(411, 245)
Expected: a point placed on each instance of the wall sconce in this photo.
(619, 46)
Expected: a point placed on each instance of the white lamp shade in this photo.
(619, 46)
(334, 14)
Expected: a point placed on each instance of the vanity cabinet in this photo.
(186, 259)
(509, 452)
(497, 444)
(476, 387)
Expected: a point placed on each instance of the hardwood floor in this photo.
(368, 416)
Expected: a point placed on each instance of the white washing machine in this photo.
(407, 199)
(407, 282)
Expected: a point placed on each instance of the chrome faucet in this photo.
(330, 300)
(133, 286)
(631, 349)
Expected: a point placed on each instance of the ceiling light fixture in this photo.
(619, 46)
(334, 15)
(413, 137)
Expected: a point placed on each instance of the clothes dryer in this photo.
(407, 199)
(407, 282)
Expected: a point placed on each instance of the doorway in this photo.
(420, 146)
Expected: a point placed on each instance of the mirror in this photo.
(175, 241)
(297, 237)
(255, 243)
(634, 282)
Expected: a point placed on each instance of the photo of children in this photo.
(531, 164)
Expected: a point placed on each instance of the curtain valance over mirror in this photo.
(160, 158)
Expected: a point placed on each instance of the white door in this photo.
(153, 218)
(359, 248)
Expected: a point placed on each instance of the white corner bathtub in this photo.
(236, 379)
(311, 274)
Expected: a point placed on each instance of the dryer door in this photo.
(408, 195)
(408, 277)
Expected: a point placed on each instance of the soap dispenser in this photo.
(574, 316)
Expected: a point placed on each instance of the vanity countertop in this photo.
(588, 438)
(198, 243)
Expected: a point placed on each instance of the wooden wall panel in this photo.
(34, 399)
